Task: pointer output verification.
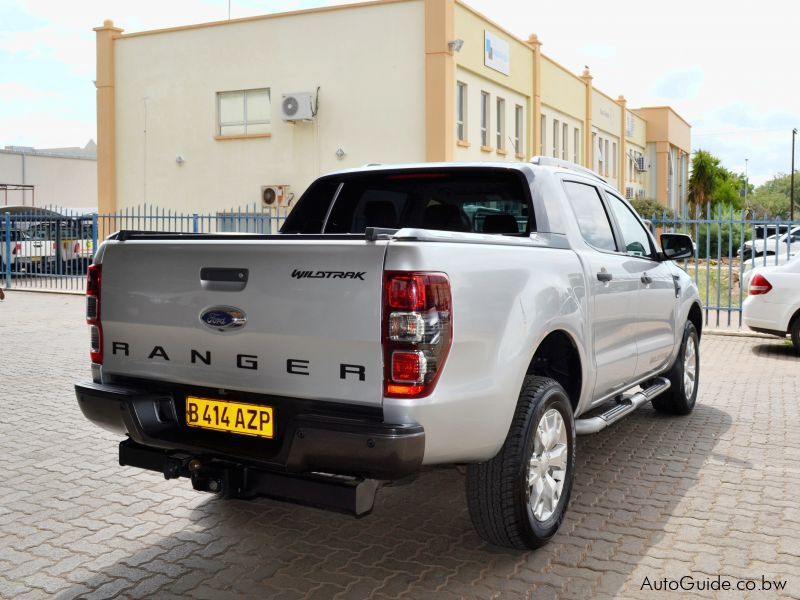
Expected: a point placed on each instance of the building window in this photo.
(501, 124)
(599, 150)
(461, 111)
(614, 160)
(555, 138)
(542, 134)
(243, 112)
(518, 124)
(576, 146)
(605, 155)
(565, 141)
(484, 118)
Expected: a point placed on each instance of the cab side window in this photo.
(635, 238)
(591, 215)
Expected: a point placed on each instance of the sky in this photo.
(726, 66)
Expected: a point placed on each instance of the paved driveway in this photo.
(712, 494)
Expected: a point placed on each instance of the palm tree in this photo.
(702, 179)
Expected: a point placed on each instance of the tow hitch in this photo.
(236, 480)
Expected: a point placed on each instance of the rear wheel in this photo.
(795, 333)
(684, 376)
(518, 499)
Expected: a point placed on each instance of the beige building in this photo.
(53, 177)
(197, 118)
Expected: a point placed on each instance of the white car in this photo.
(773, 300)
(778, 244)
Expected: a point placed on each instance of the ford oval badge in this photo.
(223, 318)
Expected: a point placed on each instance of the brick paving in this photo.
(715, 493)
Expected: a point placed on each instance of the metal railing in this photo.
(728, 244)
(50, 249)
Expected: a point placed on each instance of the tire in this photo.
(681, 397)
(795, 333)
(498, 491)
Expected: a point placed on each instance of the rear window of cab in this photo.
(494, 201)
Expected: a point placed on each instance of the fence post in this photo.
(94, 234)
(7, 261)
(195, 223)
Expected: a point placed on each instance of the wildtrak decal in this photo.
(297, 274)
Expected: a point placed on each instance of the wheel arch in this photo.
(696, 317)
(557, 357)
(792, 320)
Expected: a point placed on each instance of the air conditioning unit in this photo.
(297, 107)
(640, 164)
(275, 195)
(629, 193)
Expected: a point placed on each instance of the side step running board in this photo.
(623, 408)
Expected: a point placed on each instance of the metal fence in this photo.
(50, 249)
(728, 244)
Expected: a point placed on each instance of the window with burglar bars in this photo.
(501, 124)
(244, 112)
(484, 119)
(518, 125)
(461, 111)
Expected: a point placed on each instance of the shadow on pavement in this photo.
(780, 348)
(629, 481)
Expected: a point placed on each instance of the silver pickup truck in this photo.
(412, 315)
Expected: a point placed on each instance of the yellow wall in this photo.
(368, 61)
(665, 125)
(469, 26)
(639, 136)
(563, 90)
(473, 150)
(606, 114)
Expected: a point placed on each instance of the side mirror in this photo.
(676, 245)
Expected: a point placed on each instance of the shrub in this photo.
(649, 208)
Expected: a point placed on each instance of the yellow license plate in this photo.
(36, 258)
(234, 417)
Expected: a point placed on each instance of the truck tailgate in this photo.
(313, 323)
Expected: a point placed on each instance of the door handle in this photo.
(223, 279)
(604, 276)
(646, 279)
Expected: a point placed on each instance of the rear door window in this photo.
(592, 218)
(635, 238)
(478, 201)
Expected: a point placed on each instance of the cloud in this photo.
(43, 129)
(600, 51)
(681, 84)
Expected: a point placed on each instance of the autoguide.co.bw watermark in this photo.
(688, 583)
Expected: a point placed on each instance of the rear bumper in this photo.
(307, 439)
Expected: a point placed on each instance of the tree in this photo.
(703, 179)
(712, 184)
(772, 197)
(649, 208)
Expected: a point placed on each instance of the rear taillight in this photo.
(759, 285)
(93, 280)
(16, 249)
(417, 331)
(76, 248)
